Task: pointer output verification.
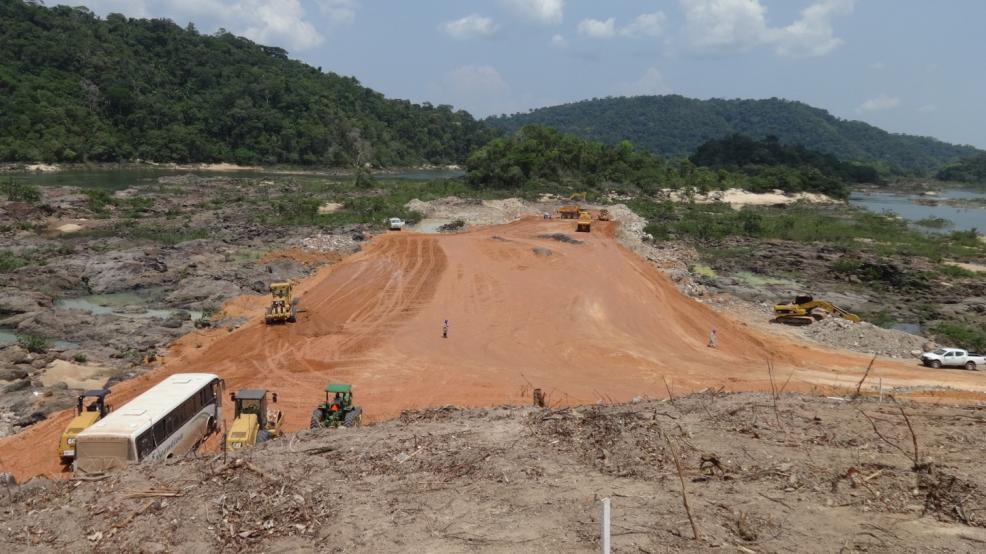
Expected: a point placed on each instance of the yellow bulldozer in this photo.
(805, 310)
(254, 421)
(584, 225)
(283, 308)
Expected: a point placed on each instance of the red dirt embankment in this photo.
(583, 322)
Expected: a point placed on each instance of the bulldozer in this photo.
(254, 421)
(805, 310)
(87, 412)
(337, 411)
(283, 308)
(571, 211)
(584, 225)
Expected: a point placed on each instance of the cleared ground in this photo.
(792, 474)
(582, 318)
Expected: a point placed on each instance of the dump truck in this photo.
(90, 407)
(337, 411)
(571, 211)
(283, 308)
(254, 421)
(805, 310)
(584, 225)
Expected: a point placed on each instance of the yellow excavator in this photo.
(255, 422)
(805, 310)
(584, 224)
(282, 307)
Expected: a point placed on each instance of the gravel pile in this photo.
(331, 243)
(865, 337)
(474, 212)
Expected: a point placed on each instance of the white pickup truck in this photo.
(953, 357)
(395, 223)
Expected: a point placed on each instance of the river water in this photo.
(965, 209)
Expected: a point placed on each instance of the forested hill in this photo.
(674, 126)
(75, 87)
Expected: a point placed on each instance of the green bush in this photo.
(20, 192)
(80, 358)
(10, 262)
(955, 271)
(962, 336)
(33, 343)
(934, 222)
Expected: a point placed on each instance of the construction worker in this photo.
(712, 338)
(445, 329)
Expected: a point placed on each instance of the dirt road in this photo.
(584, 321)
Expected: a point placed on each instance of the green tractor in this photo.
(338, 410)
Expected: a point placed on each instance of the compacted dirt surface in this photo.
(530, 304)
(762, 473)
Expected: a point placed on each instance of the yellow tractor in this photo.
(87, 412)
(570, 211)
(254, 421)
(584, 224)
(805, 310)
(282, 307)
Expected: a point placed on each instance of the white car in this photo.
(395, 223)
(953, 357)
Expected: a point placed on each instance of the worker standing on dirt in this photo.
(712, 338)
(445, 329)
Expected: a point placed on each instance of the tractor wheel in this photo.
(971, 366)
(353, 418)
(262, 436)
(935, 364)
(294, 314)
(317, 419)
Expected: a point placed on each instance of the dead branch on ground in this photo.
(681, 478)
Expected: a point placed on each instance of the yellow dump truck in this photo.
(91, 407)
(584, 224)
(570, 211)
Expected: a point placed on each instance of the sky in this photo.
(907, 66)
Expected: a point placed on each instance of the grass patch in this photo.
(934, 222)
(955, 271)
(962, 336)
(9, 261)
(704, 270)
(20, 192)
(33, 343)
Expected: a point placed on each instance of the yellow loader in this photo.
(283, 308)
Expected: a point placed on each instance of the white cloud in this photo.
(724, 26)
(469, 27)
(927, 108)
(544, 12)
(279, 22)
(595, 28)
(476, 80)
(559, 42)
(882, 102)
(651, 82)
(645, 25)
(339, 11)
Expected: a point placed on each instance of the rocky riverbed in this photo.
(105, 281)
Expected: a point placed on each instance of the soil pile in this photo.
(764, 474)
(591, 321)
(866, 337)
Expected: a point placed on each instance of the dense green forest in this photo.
(674, 126)
(76, 88)
(966, 170)
(742, 152)
(537, 157)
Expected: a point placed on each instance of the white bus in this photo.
(170, 419)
